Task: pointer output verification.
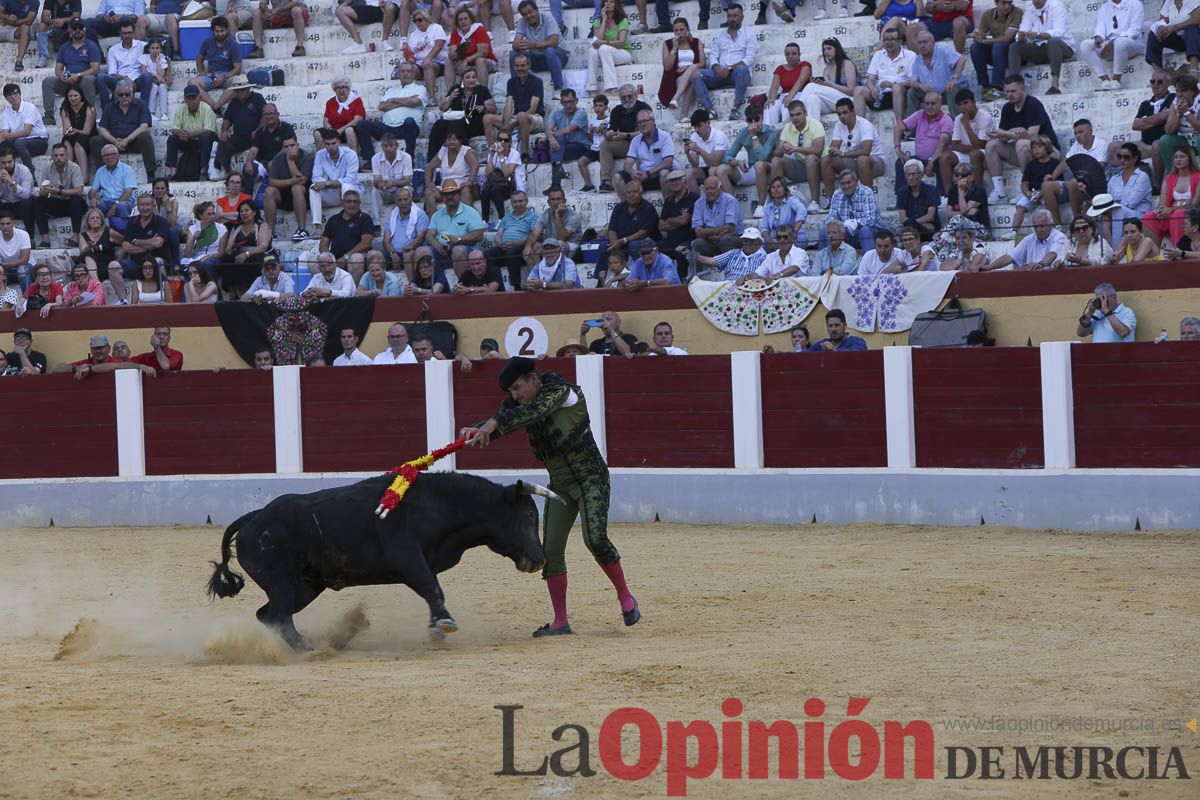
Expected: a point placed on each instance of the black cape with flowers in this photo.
(295, 329)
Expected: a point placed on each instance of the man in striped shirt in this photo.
(739, 263)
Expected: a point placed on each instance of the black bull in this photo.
(298, 545)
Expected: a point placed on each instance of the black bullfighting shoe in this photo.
(632, 615)
(546, 630)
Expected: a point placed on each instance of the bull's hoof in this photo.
(632, 615)
(435, 635)
(546, 630)
(445, 625)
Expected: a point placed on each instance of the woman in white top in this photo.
(1117, 35)
(148, 289)
(204, 235)
(154, 63)
(913, 255)
(458, 163)
(200, 288)
(682, 58)
(1087, 249)
(838, 79)
(967, 255)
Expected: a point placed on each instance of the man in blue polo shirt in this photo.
(523, 105)
(650, 268)
(126, 124)
(113, 187)
(454, 229)
(716, 220)
(1106, 319)
(837, 338)
(218, 61)
(77, 65)
(239, 122)
(515, 238)
(651, 156)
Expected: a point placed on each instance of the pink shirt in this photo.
(927, 132)
(94, 288)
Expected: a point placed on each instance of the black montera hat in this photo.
(516, 367)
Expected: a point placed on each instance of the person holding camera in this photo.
(614, 342)
(1106, 319)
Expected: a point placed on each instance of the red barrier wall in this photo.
(1137, 404)
(59, 427)
(978, 407)
(362, 419)
(824, 410)
(477, 397)
(669, 412)
(208, 423)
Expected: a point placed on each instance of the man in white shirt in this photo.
(854, 144)
(1117, 35)
(403, 107)
(787, 260)
(21, 126)
(730, 61)
(122, 60)
(351, 356)
(888, 77)
(398, 350)
(1085, 144)
(391, 169)
(971, 129)
(705, 148)
(664, 342)
(883, 260)
(1039, 251)
(1044, 38)
(1177, 28)
(330, 280)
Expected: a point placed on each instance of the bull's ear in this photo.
(516, 491)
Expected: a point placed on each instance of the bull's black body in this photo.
(298, 545)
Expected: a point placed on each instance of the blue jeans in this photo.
(706, 79)
(556, 12)
(865, 233)
(105, 84)
(567, 151)
(552, 59)
(1188, 41)
(119, 219)
(997, 55)
(18, 275)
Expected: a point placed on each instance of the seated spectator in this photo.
(664, 342)
(788, 80)
(204, 236)
(737, 264)
(969, 140)
(44, 293)
(967, 255)
(148, 287)
(11, 299)
(996, 31)
(613, 341)
(1117, 35)
(242, 117)
(100, 360)
(884, 259)
(838, 79)
(932, 130)
(52, 28)
(365, 12)
(950, 19)
(1189, 329)
(391, 170)
(968, 199)
(200, 288)
(650, 268)
(855, 143)
(17, 20)
(193, 128)
(888, 77)
(800, 342)
(516, 239)
(682, 58)
(1128, 194)
(425, 281)
(716, 220)
(276, 14)
(348, 235)
(243, 248)
(398, 350)
(730, 60)
(935, 69)
(758, 140)
(166, 205)
(1022, 119)
(288, 180)
(16, 189)
(335, 169)
(376, 280)
(217, 64)
(78, 121)
(1189, 244)
(798, 152)
(426, 46)
(458, 164)
(403, 107)
(264, 359)
(1040, 251)
(21, 126)
(60, 194)
(123, 62)
(229, 203)
(76, 66)
(404, 232)
(97, 250)
(567, 135)
(23, 356)
(651, 156)
(470, 98)
(523, 105)
(786, 260)
(343, 112)
(1183, 119)
(351, 356)
(1034, 177)
(126, 125)
(1177, 28)
(14, 250)
(918, 201)
(609, 47)
(489, 349)
(705, 150)
(1085, 144)
(145, 236)
(913, 254)
(675, 218)
(330, 280)
(886, 10)
(270, 285)
(1179, 193)
(1044, 37)
(631, 220)
(1087, 248)
(1134, 245)
(856, 208)
(837, 337)
(559, 221)
(503, 175)
(553, 271)
(454, 229)
(161, 357)
(83, 290)
(782, 212)
(1151, 119)
(469, 50)
(479, 277)
(538, 39)
(1106, 319)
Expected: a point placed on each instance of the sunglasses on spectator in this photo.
(124, 94)
(966, 174)
(1077, 228)
(1157, 81)
(1124, 156)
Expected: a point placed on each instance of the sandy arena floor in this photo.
(157, 695)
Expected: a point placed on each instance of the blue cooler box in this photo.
(191, 36)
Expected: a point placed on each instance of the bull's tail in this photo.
(224, 581)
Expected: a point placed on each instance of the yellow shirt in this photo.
(813, 130)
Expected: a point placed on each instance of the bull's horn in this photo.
(534, 488)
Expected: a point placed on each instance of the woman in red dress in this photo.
(342, 112)
(470, 48)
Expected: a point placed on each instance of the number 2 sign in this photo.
(526, 337)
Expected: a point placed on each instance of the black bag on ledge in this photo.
(948, 327)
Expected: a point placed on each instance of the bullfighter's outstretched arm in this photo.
(513, 416)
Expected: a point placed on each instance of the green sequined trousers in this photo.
(561, 438)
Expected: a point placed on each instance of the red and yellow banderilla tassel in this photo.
(407, 472)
